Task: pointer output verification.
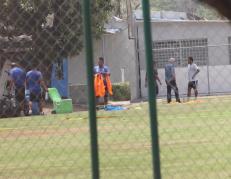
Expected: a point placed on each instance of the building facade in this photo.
(119, 54)
(208, 42)
(173, 35)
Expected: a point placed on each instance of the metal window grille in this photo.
(180, 50)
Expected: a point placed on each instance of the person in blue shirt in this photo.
(170, 78)
(35, 83)
(103, 70)
(17, 82)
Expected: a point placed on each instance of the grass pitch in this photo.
(195, 142)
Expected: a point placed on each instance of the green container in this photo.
(63, 106)
(60, 105)
(54, 95)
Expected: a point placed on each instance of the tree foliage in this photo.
(55, 26)
(189, 6)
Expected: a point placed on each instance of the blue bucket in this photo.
(35, 108)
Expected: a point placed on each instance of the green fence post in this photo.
(151, 90)
(91, 95)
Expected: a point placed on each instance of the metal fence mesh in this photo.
(47, 36)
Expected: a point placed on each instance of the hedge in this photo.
(121, 92)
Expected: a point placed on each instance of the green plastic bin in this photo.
(61, 106)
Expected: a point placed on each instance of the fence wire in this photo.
(44, 125)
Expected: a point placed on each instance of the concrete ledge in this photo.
(78, 94)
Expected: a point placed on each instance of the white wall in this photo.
(119, 53)
(211, 80)
(217, 33)
(77, 65)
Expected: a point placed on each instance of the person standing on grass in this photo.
(35, 83)
(170, 79)
(104, 71)
(193, 70)
(155, 77)
(17, 83)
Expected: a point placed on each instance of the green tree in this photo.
(189, 6)
(208, 13)
(55, 26)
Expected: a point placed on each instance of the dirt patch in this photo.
(47, 132)
(76, 108)
(55, 131)
(138, 145)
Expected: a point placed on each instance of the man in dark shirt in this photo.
(155, 77)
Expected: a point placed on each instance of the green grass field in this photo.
(195, 142)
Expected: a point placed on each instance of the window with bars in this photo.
(180, 50)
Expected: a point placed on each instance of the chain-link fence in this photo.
(213, 61)
(52, 124)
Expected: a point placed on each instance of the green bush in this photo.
(121, 92)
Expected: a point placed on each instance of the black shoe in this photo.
(178, 101)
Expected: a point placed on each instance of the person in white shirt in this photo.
(193, 70)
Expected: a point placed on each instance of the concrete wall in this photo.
(78, 93)
(119, 54)
(212, 80)
(217, 34)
